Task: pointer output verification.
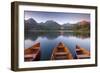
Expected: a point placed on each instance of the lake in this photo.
(49, 40)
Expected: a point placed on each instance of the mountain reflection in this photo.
(52, 35)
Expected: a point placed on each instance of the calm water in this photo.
(49, 40)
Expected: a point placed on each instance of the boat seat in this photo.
(35, 47)
(30, 55)
(79, 52)
(60, 57)
(60, 47)
(83, 56)
(61, 53)
(78, 49)
(60, 50)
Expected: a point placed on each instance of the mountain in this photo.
(67, 26)
(32, 24)
(82, 26)
(51, 23)
(31, 21)
(84, 22)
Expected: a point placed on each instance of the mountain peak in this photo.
(84, 22)
(51, 23)
(31, 21)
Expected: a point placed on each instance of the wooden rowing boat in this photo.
(82, 53)
(32, 53)
(61, 53)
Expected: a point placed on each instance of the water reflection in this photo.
(49, 40)
(53, 35)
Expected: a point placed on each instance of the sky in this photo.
(59, 17)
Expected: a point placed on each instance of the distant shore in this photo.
(78, 31)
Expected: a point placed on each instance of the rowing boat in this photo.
(82, 53)
(61, 52)
(32, 53)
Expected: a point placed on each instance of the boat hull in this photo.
(32, 53)
(61, 53)
(82, 53)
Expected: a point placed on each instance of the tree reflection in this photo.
(52, 35)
